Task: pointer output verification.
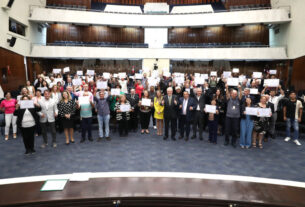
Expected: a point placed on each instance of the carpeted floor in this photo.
(138, 152)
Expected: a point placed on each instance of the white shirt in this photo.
(28, 120)
(184, 106)
(275, 100)
(198, 98)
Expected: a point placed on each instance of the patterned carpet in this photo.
(150, 152)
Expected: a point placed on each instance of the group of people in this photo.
(185, 107)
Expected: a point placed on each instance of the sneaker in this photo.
(287, 139)
(6, 137)
(297, 142)
(14, 135)
(155, 127)
(54, 145)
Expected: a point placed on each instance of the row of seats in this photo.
(214, 44)
(78, 7)
(250, 6)
(98, 44)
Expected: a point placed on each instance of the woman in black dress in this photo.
(66, 111)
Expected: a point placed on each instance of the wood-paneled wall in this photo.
(65, 32)
(15, 76)
(142, 2)
(298, 75)
(222, 34)
(86, 3)
(229, 3)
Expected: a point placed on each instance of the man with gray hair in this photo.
(170, 103)
(233, 115)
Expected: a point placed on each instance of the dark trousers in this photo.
(123, 127)
(232, 126)
(144, 119)
(198, 121)
(184, 125)
(28, 138)
(86, 127)
(213, 126)
(48, 126)
(152, 116)
(173, 123)
(133, 123)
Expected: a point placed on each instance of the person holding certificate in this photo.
(85, 104)
(123, 115)
(159, 109)
(27, 118)
(133, 99)
(103, 114)
(261, 124)
(246, 124)
(145, 105)
(213, 116)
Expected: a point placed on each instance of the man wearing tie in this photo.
(198, 115)
(133, 99)
(170, 104)
(186, 106)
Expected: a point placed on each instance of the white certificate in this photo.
(210, 109)
(77, 82)
(213, 73)
(242, 78)
(188, 90)
(66, 69)
(251, 111)
(199, 81)
(101, 84)
(115, 91)
(115, 75)
(272, 72)
(272, 82)
(90, 72)
(204, 76)
(84, 100)
(167, 74)
(235, 70)
(56, 71)
(197, 74)
(254, 91)
(122, 75)
(146, 102)
(79, 73)
(138, 76)
(26, 104)
(179, 80)
(155, 73)
(227, 74)
(56, 80)
(106, 75)
(125, 107)
(152, 81)
(257, 74)
(233, 81)
(263, 112)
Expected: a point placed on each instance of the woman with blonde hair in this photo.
(55, 93)
(66, 111)
(159, 108)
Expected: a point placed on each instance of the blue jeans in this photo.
(246, 127)
(103, 120)
(295, 125)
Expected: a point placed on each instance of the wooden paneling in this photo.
(260, 3)
(298, 75)
(15, 77)
(248, 33)
(65, 32)
(86, 3)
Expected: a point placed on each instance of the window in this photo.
(16, 27)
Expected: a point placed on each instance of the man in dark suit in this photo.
(186, 106)
(198, 114)
(170, 103)
(133, 99)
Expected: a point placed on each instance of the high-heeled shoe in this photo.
(254, 145)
